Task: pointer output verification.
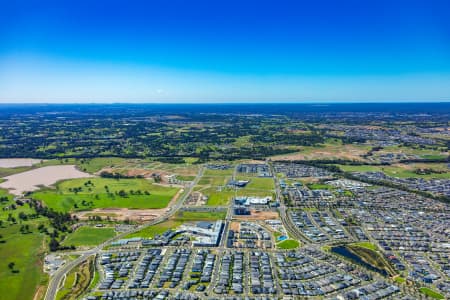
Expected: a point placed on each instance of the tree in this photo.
(11, 265)
(54, 244)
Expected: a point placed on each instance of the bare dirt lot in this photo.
(259, 215)
(32, 180)
(343, 152)
(235, 226)
(122, 214)
(18, 162)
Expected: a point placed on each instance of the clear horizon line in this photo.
(234, 102)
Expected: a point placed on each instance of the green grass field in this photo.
(96, 195)
(151, 231)
(430, 293)
(218, 198)
(209, 172)
(320, 186)
(367, 245)
(288, 244)
(399, 279)
(214, 180)
(89, 236)
(258, 183)
(24, 250)
(185, 177)
(185, 216)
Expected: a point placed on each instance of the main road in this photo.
(55, 280)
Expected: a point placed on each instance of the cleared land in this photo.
(28, 181)
(18, 162)
(88, 194)
(330, 150)
(122, 214)
(259, 215)
(89, 236)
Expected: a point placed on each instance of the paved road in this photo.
(55, 280)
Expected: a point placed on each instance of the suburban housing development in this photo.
(307, 210)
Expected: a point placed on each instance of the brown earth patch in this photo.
(259, 215)
(122, 214)
(235, 226)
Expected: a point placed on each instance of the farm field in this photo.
(86, 194)
(89, 236)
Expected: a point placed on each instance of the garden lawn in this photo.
(105, 193)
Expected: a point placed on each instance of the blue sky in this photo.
(224, 51)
